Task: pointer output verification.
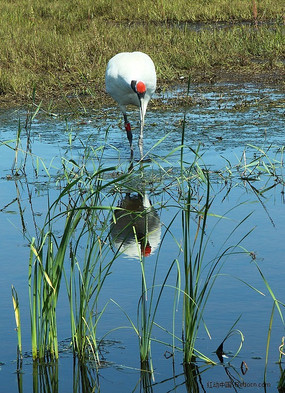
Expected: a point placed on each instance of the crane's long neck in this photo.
(143, 106)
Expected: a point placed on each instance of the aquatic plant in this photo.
(193, 296)
(84, 225)
(275, 306)
(147, 309)
(281, 383)
(85, 378)
(87, 275)
(16, 307)
(200, 272)
(45, 271)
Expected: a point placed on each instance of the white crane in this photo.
(131, 80)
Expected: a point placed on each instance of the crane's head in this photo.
(139, 88)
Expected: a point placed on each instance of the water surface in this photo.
(232, 125)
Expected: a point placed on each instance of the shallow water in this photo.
(231, 124)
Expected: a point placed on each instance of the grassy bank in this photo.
(60, 48)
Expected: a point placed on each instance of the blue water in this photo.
(231, 124)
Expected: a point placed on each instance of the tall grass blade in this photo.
(268, 343)
(16, 307)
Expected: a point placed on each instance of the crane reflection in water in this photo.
(136, 227)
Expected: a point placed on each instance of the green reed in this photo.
(16, 307)
(46, 264)
(193, 295)
(200, 272)
(275, 306)
(87, 275)
(79, 215)
(147, 309)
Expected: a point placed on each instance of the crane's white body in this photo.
(121, 70)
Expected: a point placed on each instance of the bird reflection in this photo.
(136, 228)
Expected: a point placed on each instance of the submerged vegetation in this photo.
(62, 48)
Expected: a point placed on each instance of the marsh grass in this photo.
(197, 273)
(277, 305)
(83, 229)
(262, 163)
(79, 211)
(45, 272)
(200, 272)
(56, 50)
(86, 280)
(232, 331)
(24, 159)
(192, 268)
(16, 307)
(147, 310)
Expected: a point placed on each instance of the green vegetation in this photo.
(18, 325)
(84, 226)
(62, 48)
